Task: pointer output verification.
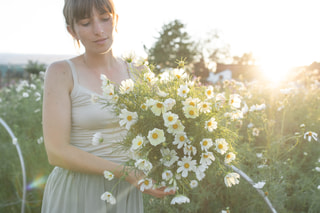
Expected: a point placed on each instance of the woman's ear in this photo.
(116, 17)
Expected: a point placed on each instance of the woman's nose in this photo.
(98, 28)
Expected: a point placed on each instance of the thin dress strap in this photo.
(74, 73)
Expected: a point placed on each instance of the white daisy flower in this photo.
(179, 73)
(235, 100)
(179, 199)
(207, 158)
(211, 124)
(259, 185)
(186, 165)
(236, 115)
(143, 165)
(144, 107)
(231, 179)
(259, 155)
(193, 184)
(200, 171)
(108, 175)
(25, 94)
(158, 107)
(190, 111)
(189, 149)
(206, 143)
(204, 107)
(127, 118)
(183, 91)
(169, 157)
(180, 140)
(108, 91)
(169, 103)
(97, 138)
(156, 136)
(149, 77)
(167, 175)
(221, 145)
(191, 102)
(209, 92)
(146, 183)
(255, 132)
(107, 196)
(137, 143)
(229, 157)
(311, 135)
(162, 94)
(169, 118)
(176, 128)
(220, 98)
(105, 80)
(126, 86)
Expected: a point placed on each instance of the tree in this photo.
(173, 44)
(245, 59)
(34, 67)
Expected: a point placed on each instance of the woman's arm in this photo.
(56, 121)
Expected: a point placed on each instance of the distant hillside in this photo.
(10, 58)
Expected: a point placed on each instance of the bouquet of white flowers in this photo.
(176, 127)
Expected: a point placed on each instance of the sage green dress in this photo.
(73, 192)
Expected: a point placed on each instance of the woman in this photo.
(70, 119)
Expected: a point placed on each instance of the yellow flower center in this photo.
(178, 76)
(184, 92)
(209, 92)
(209, 123)
(205, 156)
(175, 126)
(159, 105)
(143, 106)
(182, 138)
(228, 156)
(205, 143)
(139, 143)
(186, 165)
(310, 134)
(204, 105)
(154, 135)
(129, 117)
(170, 118)
(191, 112)
(220, 146)
(110, 93)
(146, 182)
(192, 104)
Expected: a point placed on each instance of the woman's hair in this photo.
(75, 10)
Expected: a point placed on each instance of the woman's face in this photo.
(96, 33)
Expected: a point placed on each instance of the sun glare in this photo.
(275, 71)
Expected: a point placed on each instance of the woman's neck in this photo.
(96, 61)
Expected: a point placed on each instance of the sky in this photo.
(277, 32)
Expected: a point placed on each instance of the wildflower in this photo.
(176, 128)
(167, 175)
(231, 179)
(221, 145)
(94, 98)
(144, 106)
(179, 199)
(170, 118)
(179, 74)
(169, 157)
(186, 165)
(105, 80)
(128, 118)
(158, 107)
(108, 91)
(193, 184)
(220, 98)
(200, 171)
(235, 100)
(146, 183)
(189, 149)
(25, 95)
(259, 155)
(317, 169)
(156, 136)
(211, 124)
(137, 143)
(169, 103)
(206, 143)
(143, 165)
(209, 92)
(126, 86)
(204, 107)
(190, 112)
(259, 185)
(255, 132)
(311, 135)
(191, 102)
(229, 157)
(180, 139)
(318, 187)
(250, 125)
(108, 175)
(207, 158)
(107, 196)
(40, 140)
(162, 94)
(149, 77)
(183, 91)
(97, 138)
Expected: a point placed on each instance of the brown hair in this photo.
(74, 10)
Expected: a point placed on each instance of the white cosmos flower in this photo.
(180, 140)
(259, 185)
(186, 165)
(231, 179)
(143, 165)
(146, 183)
(183, 91)
(137, 143)
(170, 118)
(209, 92)
(108, 175)
(190, 111)
(158, 107)
(156, 136)
(126, 86)
(191, 102)
(144, 107)
(97, 138)
(162, 94)
(311, 135)
(204, 107)
(206, 143)
(149, 77)
(128, 118)
(221, 145)
(176, 128)
(105, 80)
(235, 100)
(107, 196)
(169, 103)
(193, 184)
(189, 150)
(167, 175)
(179, 73)
(179, 199)
(207, 158)
(236, 115)
(200, 171)
(229, 157)
(108, 91)
(211, 124)
(169, 157)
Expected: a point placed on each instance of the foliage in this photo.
(34, 67)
